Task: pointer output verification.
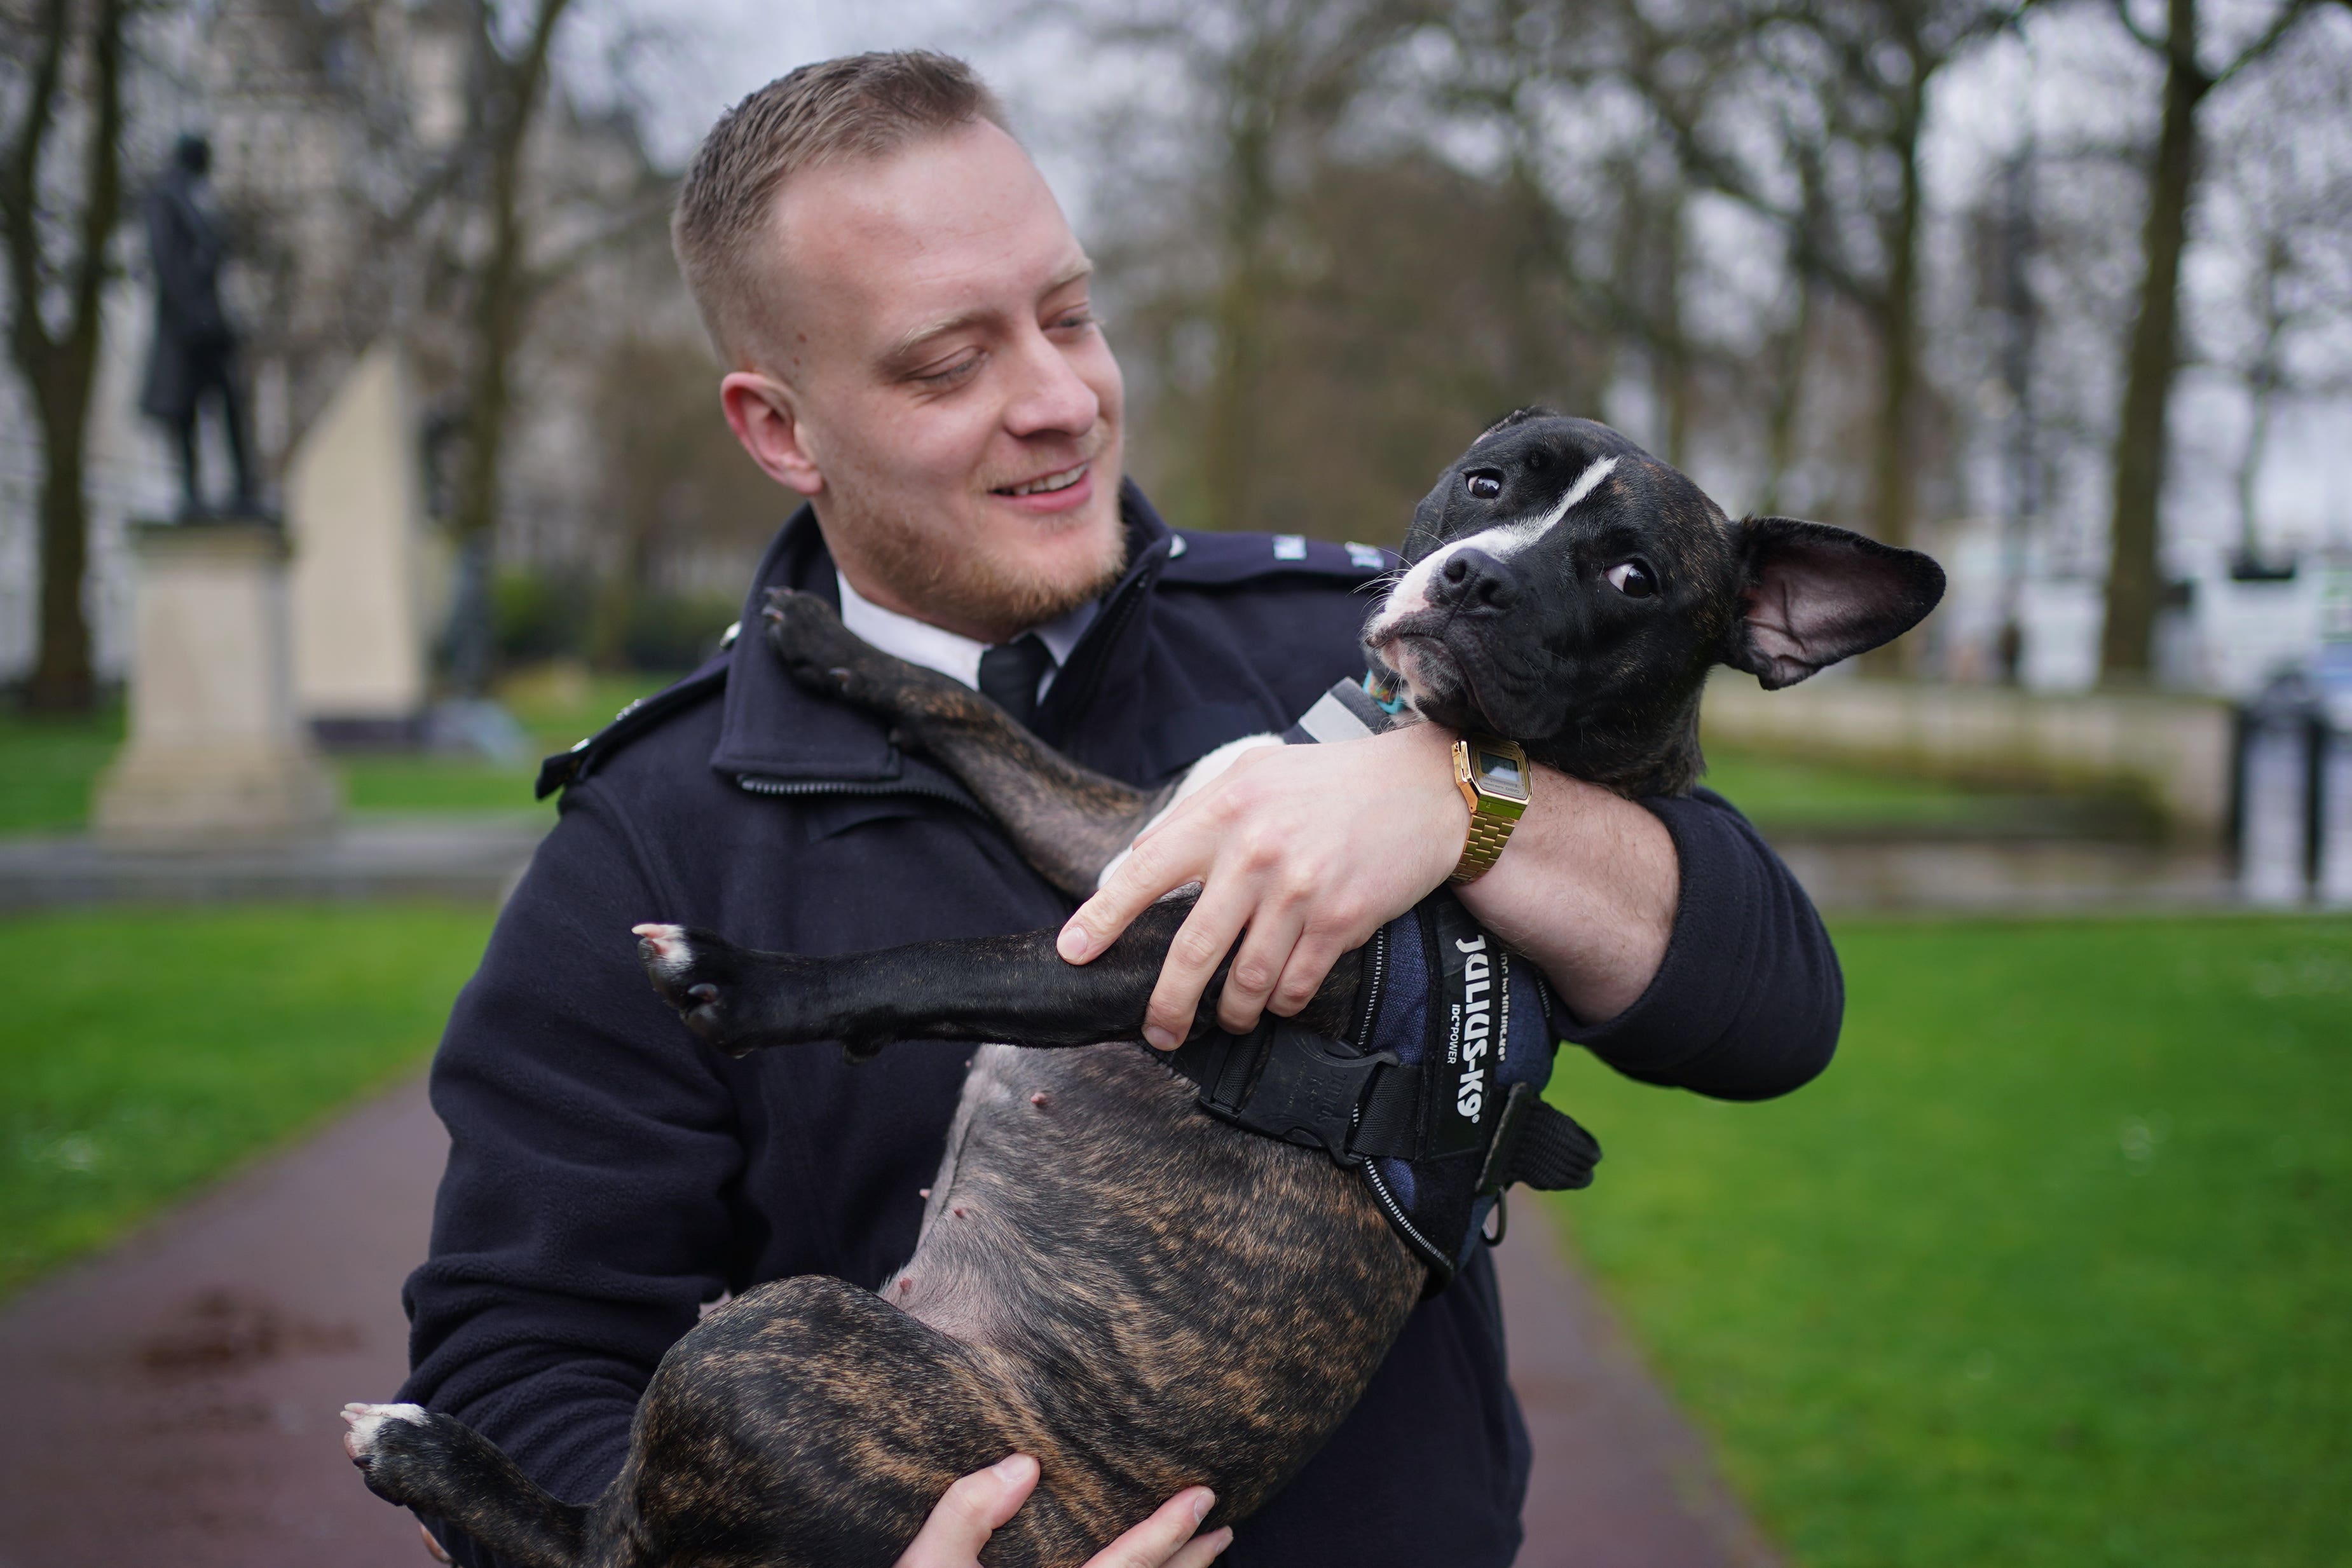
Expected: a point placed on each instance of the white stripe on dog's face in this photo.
(1502, 541)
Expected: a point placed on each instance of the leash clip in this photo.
(1294, 1084)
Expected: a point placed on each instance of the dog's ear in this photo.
(1813, 594)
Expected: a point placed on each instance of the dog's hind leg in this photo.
(1015, 989)
(441, 1467)
(1066, 821)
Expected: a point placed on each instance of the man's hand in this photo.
(1313, 848)
(1310, 848)
(979, 1505)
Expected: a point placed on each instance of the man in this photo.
(904, 315)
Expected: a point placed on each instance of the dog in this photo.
(1141, 1296)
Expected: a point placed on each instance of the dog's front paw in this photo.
(831, 660)
(822, 653)
(394, 1446)
(698, 974)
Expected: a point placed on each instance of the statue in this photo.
(194, 353)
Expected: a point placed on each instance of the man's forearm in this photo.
(1310, 848)
(1587, 887)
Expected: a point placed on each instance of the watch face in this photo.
(1500, 772)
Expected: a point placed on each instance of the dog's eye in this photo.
(1483, 483)
(1632, 579)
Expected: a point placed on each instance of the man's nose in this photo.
(1049, 397)
(1473, 580)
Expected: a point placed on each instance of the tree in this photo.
(2142, 436)
(57, 223)
(1269, 82)
(510, 87)
(1841, 94)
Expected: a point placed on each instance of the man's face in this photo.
(955, 410)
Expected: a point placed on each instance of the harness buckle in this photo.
(1300, 1087)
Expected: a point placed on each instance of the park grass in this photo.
(148, 1052)
(47, 765)
(2051, 1267)
(1783, 789)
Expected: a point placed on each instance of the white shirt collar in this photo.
(952, 654)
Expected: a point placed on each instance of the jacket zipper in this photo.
(1434, 1256)
(1373, 984)
(760, 784)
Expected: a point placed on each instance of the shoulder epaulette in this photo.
(1211, 559)
(568, 767)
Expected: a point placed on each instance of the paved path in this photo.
(454, 855)
(468, 855)
(175, 1401)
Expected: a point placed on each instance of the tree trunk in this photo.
(1229, 439)
(1894, 490)
(2262, 383)
(1787, 405)
(2126, 640)
(500, 308)
(1894, 482)
(1675, 392)
(62, 680)
(59, 371)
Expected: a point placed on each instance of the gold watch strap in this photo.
(1488, 837)
(1494, 811)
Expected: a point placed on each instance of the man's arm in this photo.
(1304, 851)
(582, 1220)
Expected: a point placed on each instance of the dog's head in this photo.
(1569, 591)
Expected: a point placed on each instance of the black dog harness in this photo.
(1436, 1095)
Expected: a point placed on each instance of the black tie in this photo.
(1010, 672)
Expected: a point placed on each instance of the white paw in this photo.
(366, 1420)
(667, 947)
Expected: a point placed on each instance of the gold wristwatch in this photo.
(1492, 775)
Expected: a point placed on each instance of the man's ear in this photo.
(1814, 594)
(762, 414)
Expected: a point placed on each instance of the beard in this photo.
(946, 581)
(973, 588)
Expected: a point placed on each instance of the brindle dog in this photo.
(1144, 1298)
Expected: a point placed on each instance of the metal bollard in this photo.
(2333, 736)
(2276, 732)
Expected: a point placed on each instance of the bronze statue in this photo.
(194, 353)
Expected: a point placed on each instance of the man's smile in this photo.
(1063, 490)
(1051, 482)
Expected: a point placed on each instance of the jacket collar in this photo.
(771, 729)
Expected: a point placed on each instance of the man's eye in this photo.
(1484, 484)
(1077, 319)
(1633, 578)
(948, 375)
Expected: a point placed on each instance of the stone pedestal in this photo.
(215, 755)
(370, 579)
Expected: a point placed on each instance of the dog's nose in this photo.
(1473, 580)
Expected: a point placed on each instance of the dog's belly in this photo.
(1173, 1301)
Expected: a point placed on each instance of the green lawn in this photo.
(2052, 1267)
(147, 1051)
(1771, 789)
(1786, 796)
(48, 765)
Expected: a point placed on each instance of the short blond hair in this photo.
(858, 106)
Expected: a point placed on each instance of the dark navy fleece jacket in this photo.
(608, 1175)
